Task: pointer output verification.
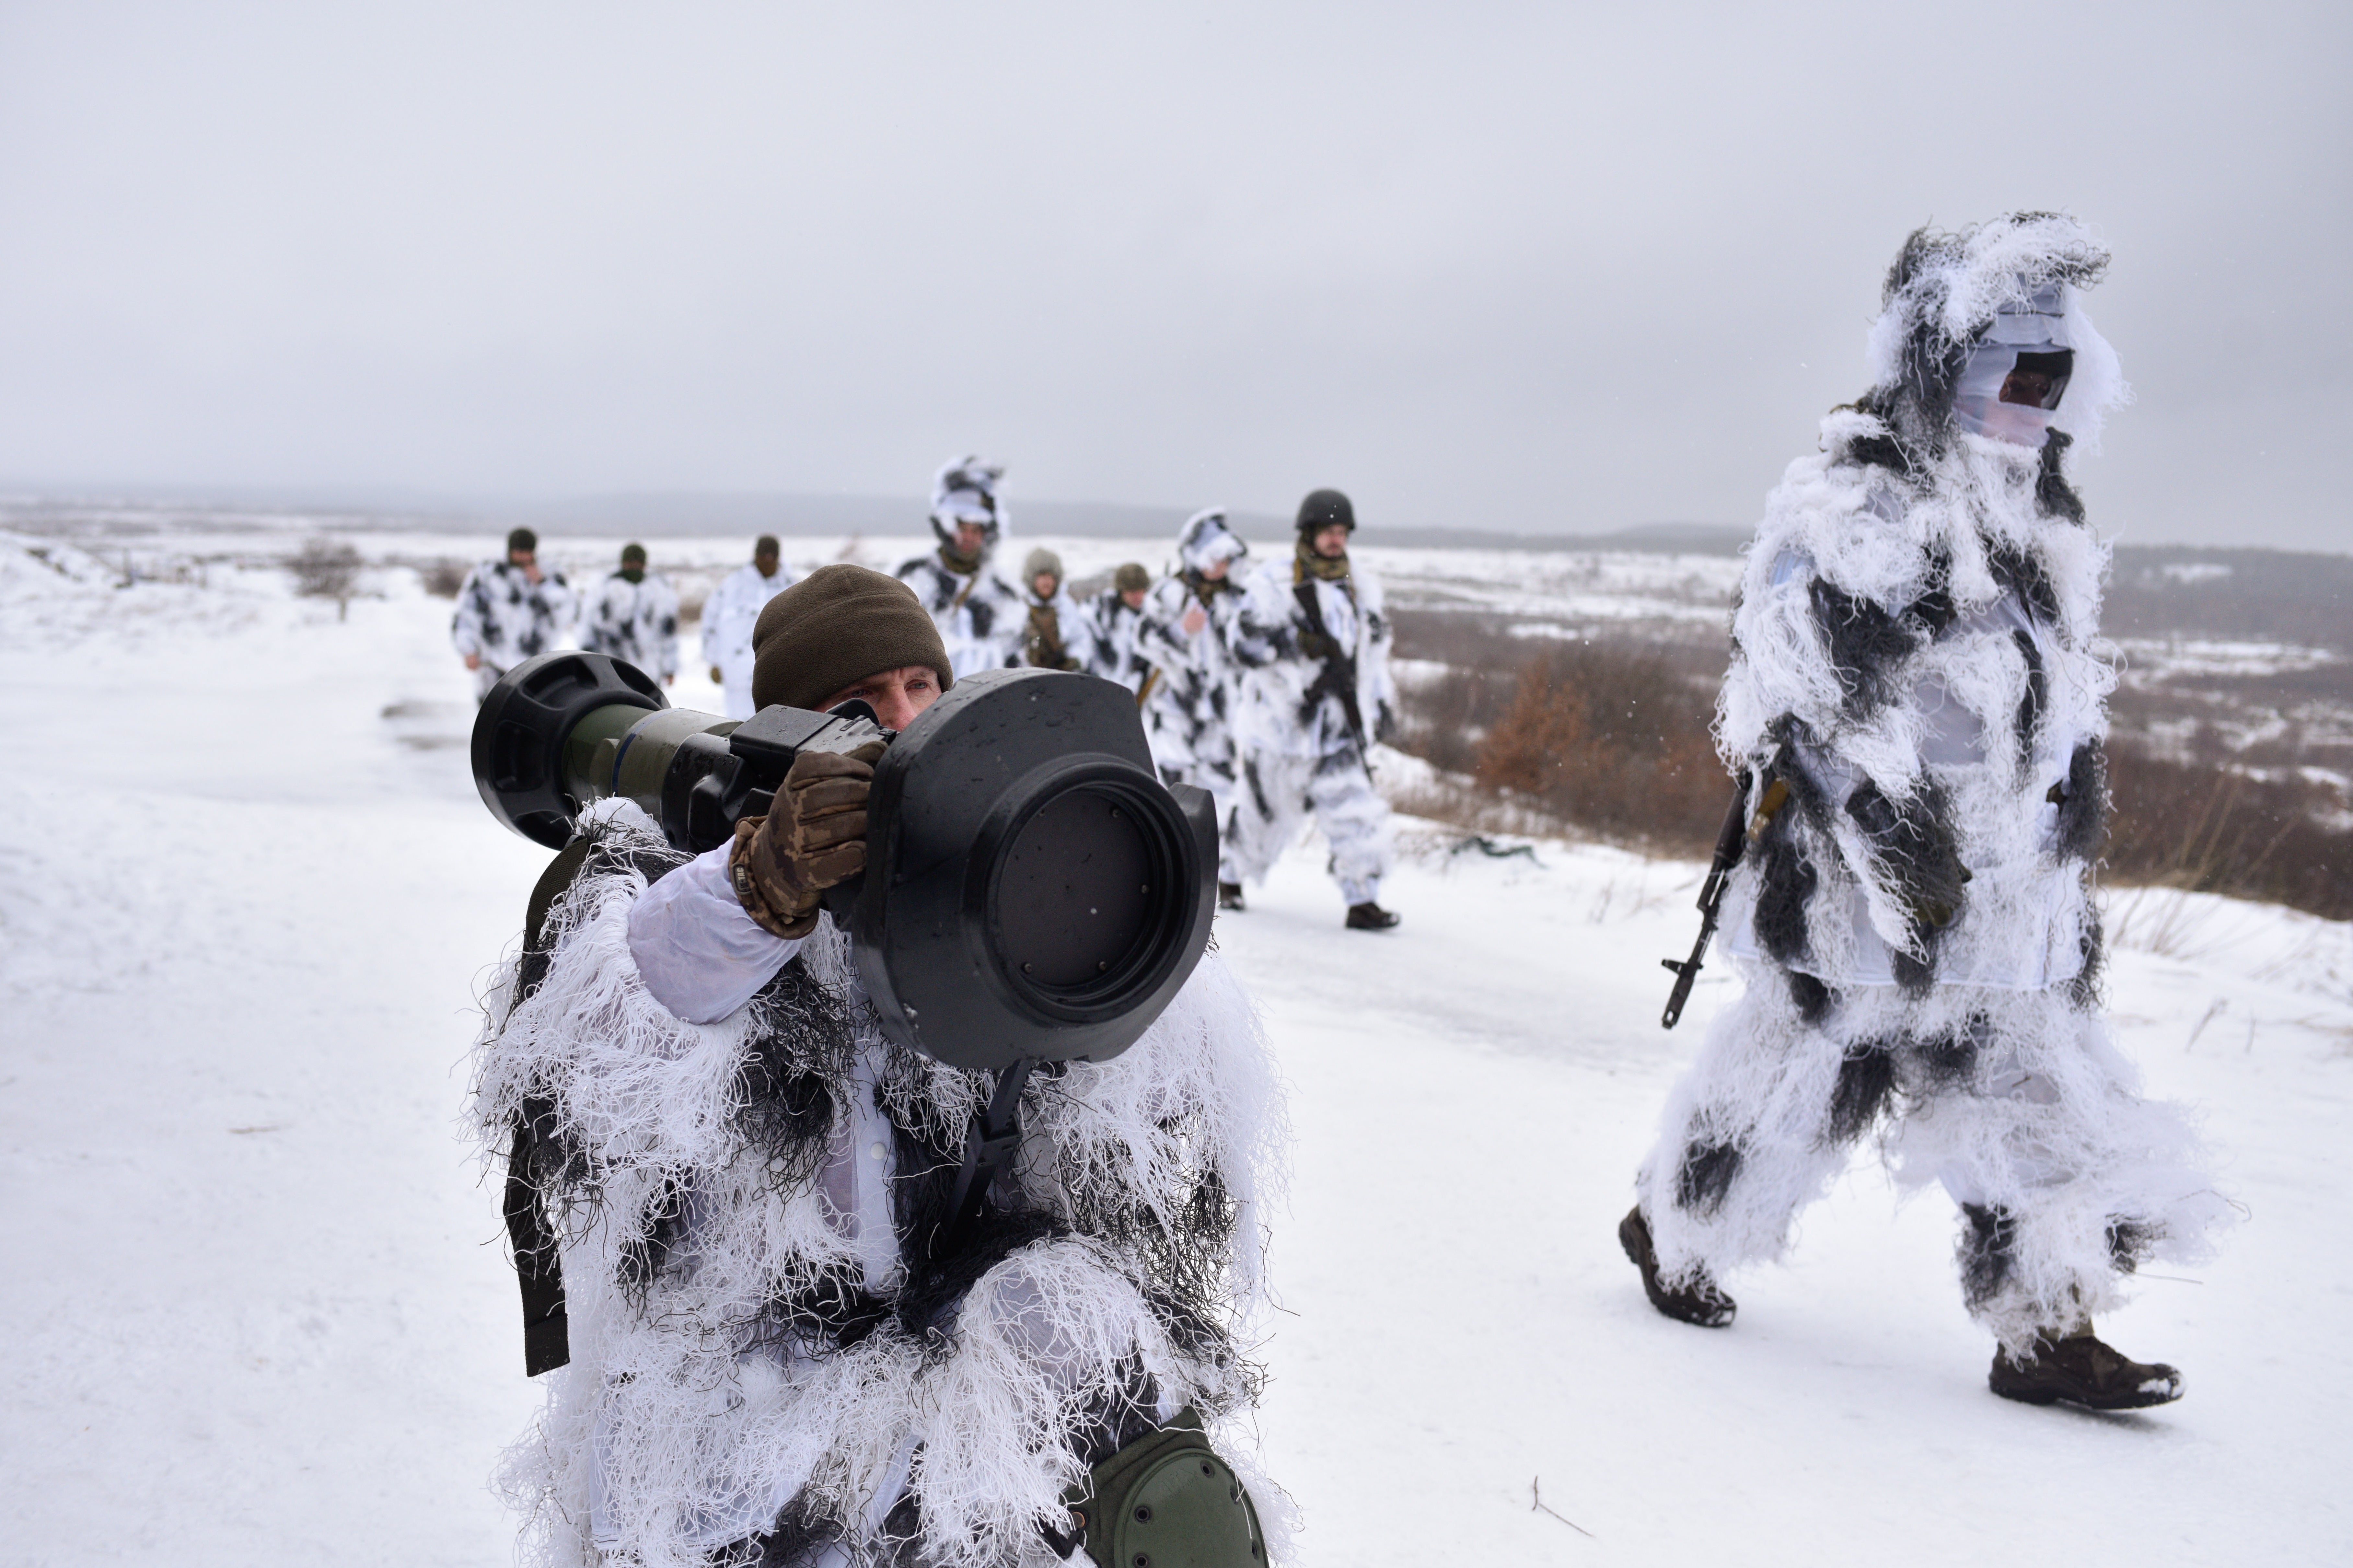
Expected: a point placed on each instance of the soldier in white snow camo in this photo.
(1191, 691)
(1314, 641)
(729, 615)
(633, 616)
(1915, 705)
(1114, 620)
(508, 611)
(981, 618)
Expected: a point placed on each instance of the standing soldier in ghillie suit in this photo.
(775, 1359)
(1916, 707)
(508, 611)
(730, 613)
(1056, 635)
(1186, 636)
(633, 616)
(1315, 696)
(979, 616)
(1113, 619)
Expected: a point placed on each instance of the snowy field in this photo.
(258, 1311)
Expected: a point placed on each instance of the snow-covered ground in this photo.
(257, 1310)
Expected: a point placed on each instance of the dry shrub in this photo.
(442, 579)
(1614, 739)
(2215, 830)
(326, 569)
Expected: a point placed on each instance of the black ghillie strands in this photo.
(1705, 1175)
(2084, 802)
(1812, 999)
(1988, 1237)
(1866, 1081)
(1864, 644)
(1914, 850)
(1785, 886)
(1934, 610)
(2130, 1241)
(1949, 1060)
(2086, 991)
(1882, 450)
(2023, 572)
(2036, 698)
(2053, 495)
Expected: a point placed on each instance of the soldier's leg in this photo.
(1355, 822)
(2067, 1178)
(1269, 802)
(1754, 1132)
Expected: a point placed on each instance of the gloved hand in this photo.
(813, 836)
(1317, 645)
(718, 677)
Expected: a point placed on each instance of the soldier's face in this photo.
(970, 537)
(1332, 540)
(522, 558)
(896, 695)
(767, 563)
(1044, 583)
(1216, 571)
(1134, 597)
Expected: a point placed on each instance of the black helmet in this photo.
(1321, 508)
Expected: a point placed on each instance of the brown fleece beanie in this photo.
(834, 627)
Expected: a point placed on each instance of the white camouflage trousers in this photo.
(1274, 795)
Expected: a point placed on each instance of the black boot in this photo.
(1370, 916)
(1229, 896)
(1698, 1302)
(2082, 1371)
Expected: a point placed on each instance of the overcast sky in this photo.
(1529, 267)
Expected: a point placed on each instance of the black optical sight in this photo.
(1032, 891)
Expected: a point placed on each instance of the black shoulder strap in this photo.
(538, 1260)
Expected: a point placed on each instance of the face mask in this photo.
(2010, 392)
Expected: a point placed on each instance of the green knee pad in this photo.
(1167, 1501)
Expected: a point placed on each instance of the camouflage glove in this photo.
(1317, 645)
(813, 836)
(718, 675)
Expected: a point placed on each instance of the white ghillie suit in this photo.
(1191, 688)
(636, 622)
(1299, 751)
(1914, 652)
(1112, 630)
(728, 618)
(504, 617)
(765, 1365)
(981, 618)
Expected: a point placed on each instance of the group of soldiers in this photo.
(773, 1364)
(1266, 687)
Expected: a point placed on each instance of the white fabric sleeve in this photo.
(699, 953)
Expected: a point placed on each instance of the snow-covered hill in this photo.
(257, 1310)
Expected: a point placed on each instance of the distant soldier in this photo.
(508, 611)
(1113, 619)
(978, 614)
(633, 616)
(1316, 696)
(1185, 635)
(728, 618)
(1058, 636)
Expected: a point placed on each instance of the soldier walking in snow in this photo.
(1316, 693)
(777, 1356)
(1114, 620)
(1916, 709)
(1056, 635)
(980, 617)
(729, 614)
(633, 616)
(508, 611)
(1185, 635)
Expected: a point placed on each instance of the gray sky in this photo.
(1501, 267)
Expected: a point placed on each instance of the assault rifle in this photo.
(1338, 677)
(1732, 840)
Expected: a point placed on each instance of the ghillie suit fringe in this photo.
(1915, 654)
(743, 1386)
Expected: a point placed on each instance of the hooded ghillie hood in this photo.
(1943, 296)
(1206, 540)
(965, 491)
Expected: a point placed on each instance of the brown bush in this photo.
(1615, 740)
(442, 579)
(2215, 830)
